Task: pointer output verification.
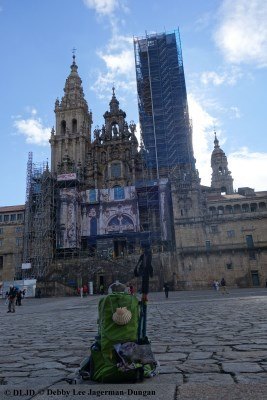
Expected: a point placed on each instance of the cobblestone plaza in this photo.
(199, 338)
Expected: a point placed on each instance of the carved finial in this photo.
(73, 54)
(216, 141)
(113, 90)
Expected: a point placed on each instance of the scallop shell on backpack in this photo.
(122, 316)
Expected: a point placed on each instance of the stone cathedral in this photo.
(102, 204)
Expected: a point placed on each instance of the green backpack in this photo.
(102, 366)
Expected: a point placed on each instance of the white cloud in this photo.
(242, 31)
(118, 57)
(226, 77)
(102, 7)
(33, 129)
(243, 165)
(203, 137)
(106, 7)
(235, 113)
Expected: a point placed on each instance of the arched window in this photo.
(253, 207)
(228, 209)
(237, 208)
(212, 210)
(220, 210)
(262, 206)
(223, 190)
(74, 125)
(245, 207)
(115, 130)
(63, 127)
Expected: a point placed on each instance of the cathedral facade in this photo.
(87, 218)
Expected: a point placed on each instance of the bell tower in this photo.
(221, 176)
(72, 136)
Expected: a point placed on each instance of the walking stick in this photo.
(145, 271)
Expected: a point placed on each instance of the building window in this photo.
(214, 229)
(1, 231)
(6, 218)
(1, 218)
(249, 240)
(118, 193)
(18, 241)
(74, 125)
(1, 242)
(19, 229)
(229, 265)
(13, 217)
(19, 217)
(63, 127)
(92, 196)
(116, 170)
(207, 245)
(231, 233)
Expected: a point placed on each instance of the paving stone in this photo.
(251, 346)
(168, 369)
(209, 378)
(221, 392)
(199, 355)
(5, 374)
(260, 377)
(53, 337)
(236, 367)
(171, 356)
(203, 366)
(48, 372)
(241, 355)
(181, 349)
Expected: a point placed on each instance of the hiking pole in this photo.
(145, 271)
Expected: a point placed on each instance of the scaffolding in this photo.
(39, 231)
(162, 102)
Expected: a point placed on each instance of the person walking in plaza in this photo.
(223, 285)
(166, 290)
(11, 299)
(101, 289)
(18, 298)
(131, 289)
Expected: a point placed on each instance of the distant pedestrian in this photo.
(101, 289)
(223, 285)
(166, 290)
(18, 298)
(131, 288)
(11, 298)
(85, 290)
(216, 285)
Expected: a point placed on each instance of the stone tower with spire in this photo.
(221, 176)
(72, 136)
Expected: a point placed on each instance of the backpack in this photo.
(117, 355)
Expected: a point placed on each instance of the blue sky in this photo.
(224, 45)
